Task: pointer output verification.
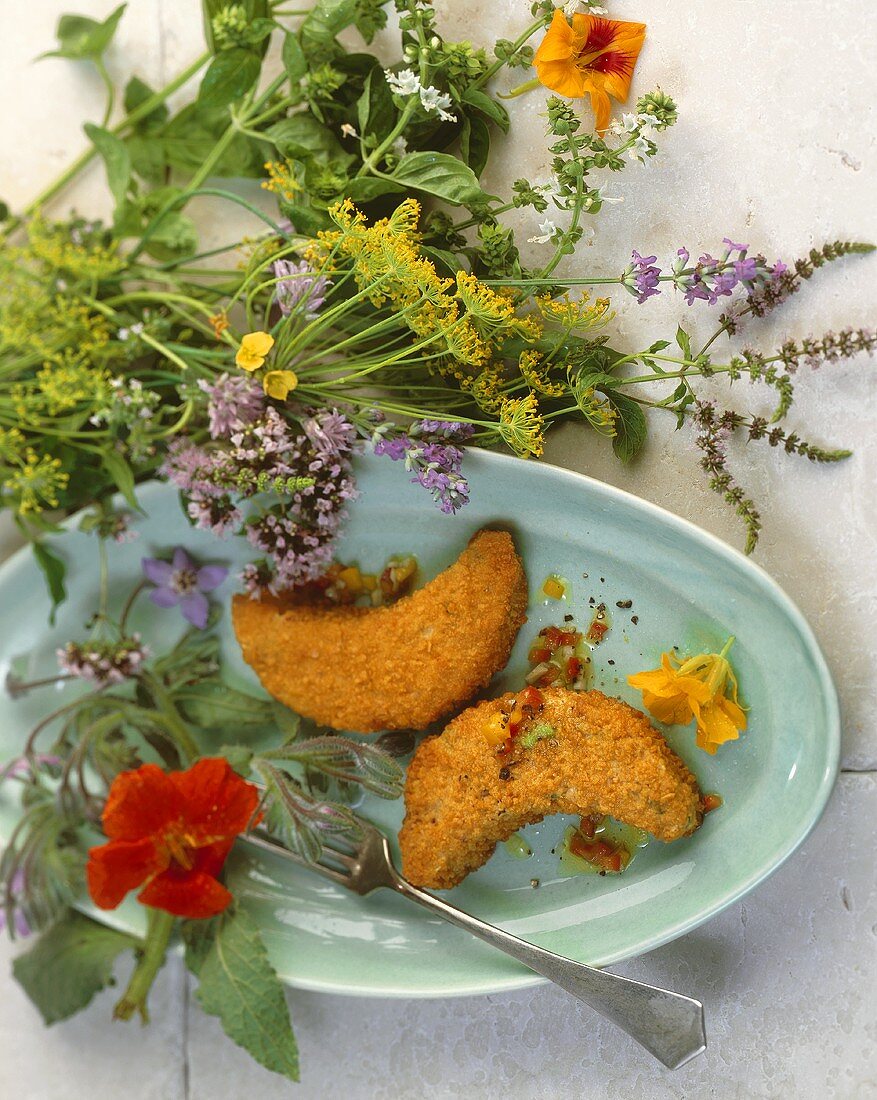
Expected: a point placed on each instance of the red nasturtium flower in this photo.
(590, 56)
(171, 833)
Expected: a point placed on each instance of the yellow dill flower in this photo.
(521, 425)
(487, 390)
(279, 383)
(57, 248)
(280, 180)
(70, 383)
(253, 350)
(595, 408)
(465, 344)
(12, 443)
(574, 314)
(702, 687)
(536, 375)
(35, 485)
(482, 302)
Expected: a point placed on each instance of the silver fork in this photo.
(668, 1025)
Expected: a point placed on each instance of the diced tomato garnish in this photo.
(573, 668)
(538, 654)
(531, 697)
(596, 631)
(599, 852)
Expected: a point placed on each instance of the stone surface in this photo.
(775, 146)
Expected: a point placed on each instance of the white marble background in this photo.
(775, 146)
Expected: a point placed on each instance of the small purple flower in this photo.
(746, 270)
(735, 247)
(299, 287)
(182, 583)
(232, 402)
(103, 663)
(13, 894)
(641, 277)
(435, 462)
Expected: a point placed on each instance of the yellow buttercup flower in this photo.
(702, 687)
(254, 347)
(279, 383)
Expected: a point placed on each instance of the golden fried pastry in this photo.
(397, 667)
(574, 753)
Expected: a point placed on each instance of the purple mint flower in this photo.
(182, 583)
(735, 247)
(299, 287)
(14, 892)
(329, 431)
(746, 270)
(642, 277)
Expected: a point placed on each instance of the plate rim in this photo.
(689, 529)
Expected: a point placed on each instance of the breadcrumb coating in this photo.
(397, 667)
(603, 757)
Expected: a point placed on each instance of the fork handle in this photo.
(668, 1025)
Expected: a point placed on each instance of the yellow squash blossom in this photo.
(590, 56)
(279, 383)
(702, 687)
(254, 347)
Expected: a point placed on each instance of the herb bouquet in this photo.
(381, 301)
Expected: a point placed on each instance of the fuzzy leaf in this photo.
(230, 76)
(116, 157)
(54, 570)
(238, 984)
(68, 964)
(441, 175)
(630, 427)
(349, 761)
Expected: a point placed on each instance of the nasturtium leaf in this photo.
(489, 107)
(630, 426)
(238, 984)
(294, 60)
(122, 475)
(116, 157)
(69, 964)
(441, 175)
(84, 39)
(375, 110)
(54, 569)
(230, 76)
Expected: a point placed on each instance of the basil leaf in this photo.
(230, 76)
(84, 39)
(475, 143)
(441, 175)
(367, 188)
(294, 60)
(303, 137)
(68, 964)
(489, 107)
(122, 475)
(175, 236)
(116, 157)
(238, 984)
(54, 570)
(137, 92)
(323, 23)
(375, 110)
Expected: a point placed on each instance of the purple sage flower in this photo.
(431, 456)
(299, 287)
(641, 277)
(182, 583)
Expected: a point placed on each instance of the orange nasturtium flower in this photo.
(702, 687)
(591, 56)
(171, 833)
(254, 347)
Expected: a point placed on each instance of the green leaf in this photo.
(444, 259)
(684, 341)
(191, 135)
(213, 705)
(84, 39)
(238, 984)
(174, 237)
(122, 475)
(366, 188)
(375, 110)
(198, 938)
(475, 144)
(54, 570)
(230, 75)
(116, 157)
(294, 60)
(148, 157)
(489, 107)
(304, 137)
(288, 722)
(323, 23)
(137, 92)
(630, 427)
(68, 964)
(441, 175)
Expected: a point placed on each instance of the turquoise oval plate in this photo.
(686, 589)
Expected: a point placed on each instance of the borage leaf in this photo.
(299, 820)
(238, 984)
(349, 761)
(69, 964)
